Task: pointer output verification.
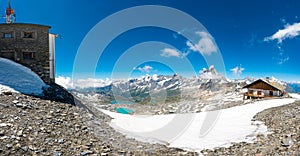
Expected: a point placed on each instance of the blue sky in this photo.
(246, 32)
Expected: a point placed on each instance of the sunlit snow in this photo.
(233, 125)
(15, 77)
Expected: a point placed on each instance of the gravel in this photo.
(43, 127)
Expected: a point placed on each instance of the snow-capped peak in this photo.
(210, 73)
(273, 79)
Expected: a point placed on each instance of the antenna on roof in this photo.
(10, 14)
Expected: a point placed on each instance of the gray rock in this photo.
(57, 154)
(3, 124)
(86, 153)
(286, 141)
(20, 133)
(2, 132)
(61, 141)
(9, 146)
(19, 105)
(25, 148)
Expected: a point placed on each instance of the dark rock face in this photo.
(57, 93)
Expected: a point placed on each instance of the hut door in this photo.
(271, 93)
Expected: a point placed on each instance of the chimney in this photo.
(267, 78)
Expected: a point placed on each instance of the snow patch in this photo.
(233, 125)
(6, 89)
(295, 95)
(19, 78)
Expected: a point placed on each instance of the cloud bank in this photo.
(67, 82)
(289, 32)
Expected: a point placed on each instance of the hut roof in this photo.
(275, 85)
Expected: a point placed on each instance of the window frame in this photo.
(12, 53)
(31, 54)
(32, 34)
(6, 33)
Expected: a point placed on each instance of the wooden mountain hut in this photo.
(263, 88)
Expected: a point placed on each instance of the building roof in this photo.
(25, 24)
(271, 83)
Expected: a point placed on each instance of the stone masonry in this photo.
(27, 44)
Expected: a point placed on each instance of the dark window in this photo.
(28, 56)
(28, 34)
(7, 35)
(271, 93)
(258, 92)
(9, 55)
(251, 92)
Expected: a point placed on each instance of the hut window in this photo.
(271, 93)
(258, 92)
(251, 92)
(28, 35)
(8, 35)
(28, 56)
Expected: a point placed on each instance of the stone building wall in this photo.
(27, 44)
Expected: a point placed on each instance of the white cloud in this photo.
(289, 31)
(168, 52)
(205, 45)
(237, 71)
(283, 60)
(68, 83)
(146, 69)
(91, 82)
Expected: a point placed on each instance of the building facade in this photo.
(30, 45)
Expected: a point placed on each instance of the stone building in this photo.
(28, 44)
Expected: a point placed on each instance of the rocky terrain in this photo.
(32, 126)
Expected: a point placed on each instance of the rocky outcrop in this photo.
(55, 92)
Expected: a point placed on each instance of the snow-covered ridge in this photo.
(154, 82)
(17, 78)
